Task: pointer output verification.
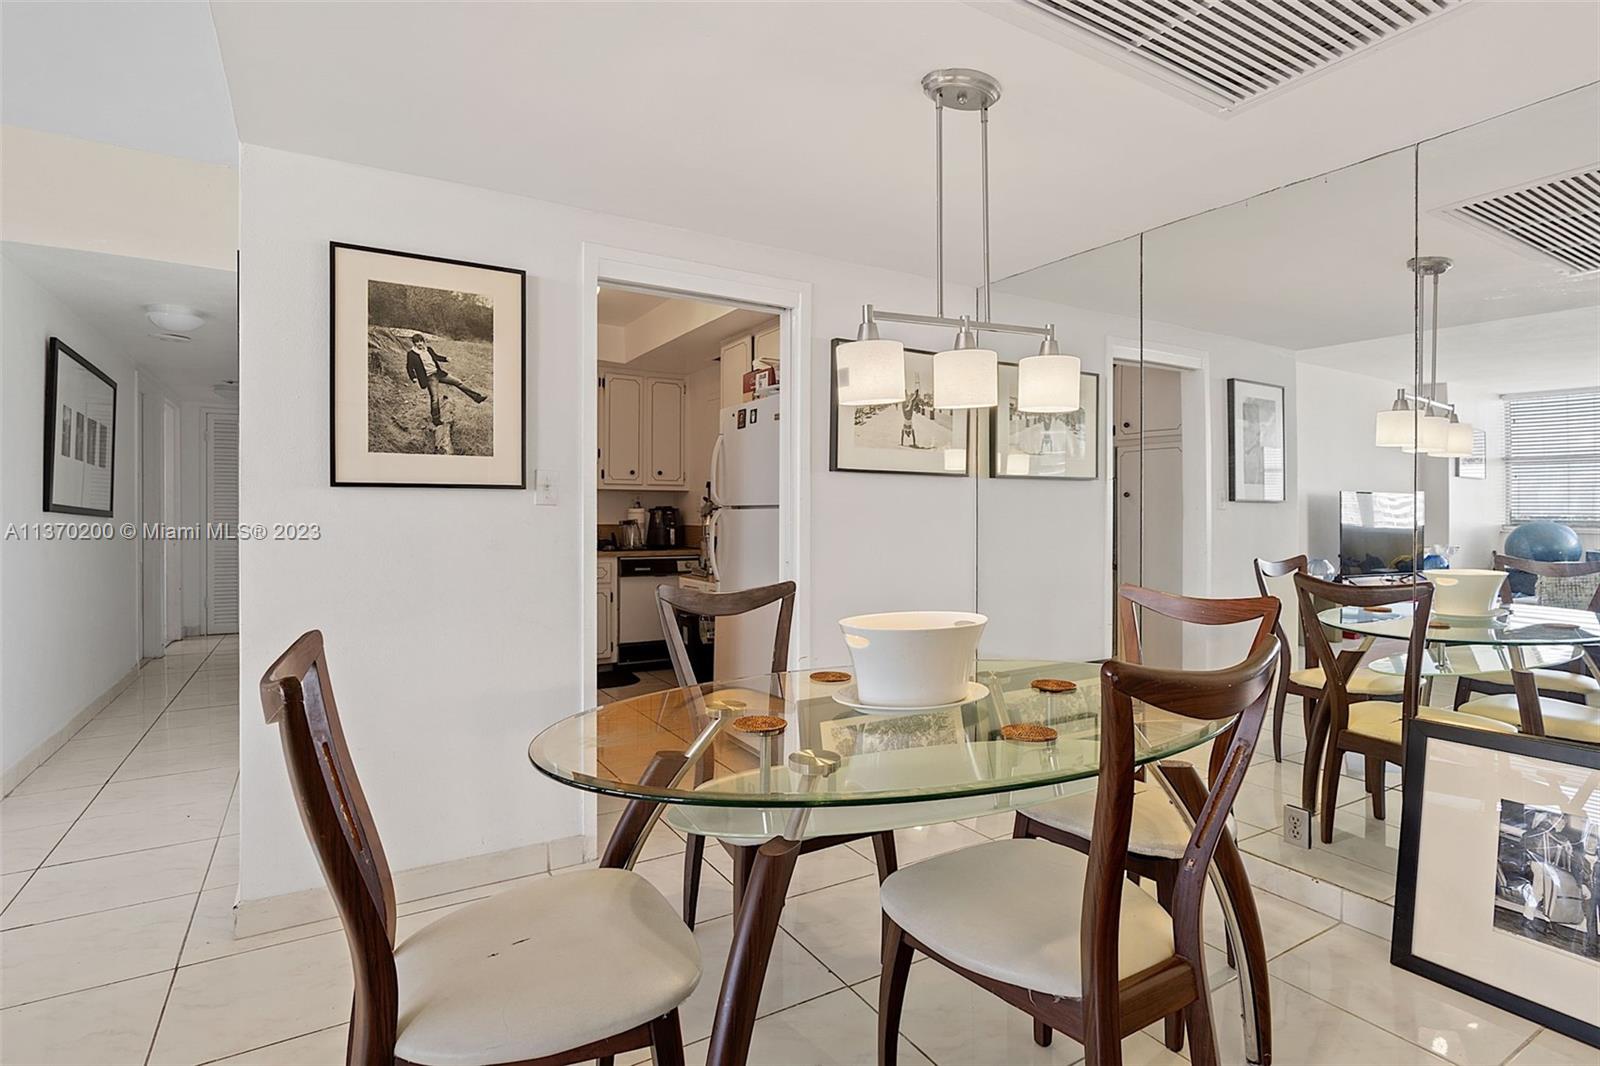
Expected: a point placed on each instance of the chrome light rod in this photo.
(870, 316)
(1437, 405)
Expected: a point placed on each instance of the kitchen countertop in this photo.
(651, 553)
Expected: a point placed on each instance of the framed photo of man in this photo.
(428, 368)
(80, 433)
(1061, 446)
(910, 437)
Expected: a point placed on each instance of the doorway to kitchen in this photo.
(688, 475)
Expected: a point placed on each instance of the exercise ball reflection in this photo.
(1548, 542)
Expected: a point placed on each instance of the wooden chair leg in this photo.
(754, 929)
(1202, 1036)
(1330, 789)
(1316, 741)
(743, 859)
(1166, 889)
(1277, 723)
(892, 991)
(1041, 1033)
(666, 1040)
(884, 851)
(692, 854)
(1374, 771)
(606, 1060)
(1463, 692)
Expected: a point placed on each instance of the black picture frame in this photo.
(1234, 442)
(521, 406)
(1096, 434)
(1402, 952)
(55, 351)
(833, 426)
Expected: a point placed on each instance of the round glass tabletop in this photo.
(787, 740)
(1518, 624)
(1475, 660)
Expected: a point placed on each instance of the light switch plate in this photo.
(1296, 826)
(544, 488)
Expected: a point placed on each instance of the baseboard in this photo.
(271, 913)
(14, 775)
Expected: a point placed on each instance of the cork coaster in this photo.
(1028, 733)
(1053, 684)
(1380, 609)
(761, 724)
(1438, 625)
(830, 677)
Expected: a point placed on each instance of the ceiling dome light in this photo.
(1048, 383)
(174, 318)
(966, 376)
(870, 370)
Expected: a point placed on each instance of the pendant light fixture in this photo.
(965, 375)
(1424, 423)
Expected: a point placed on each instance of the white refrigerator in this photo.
(744, 553)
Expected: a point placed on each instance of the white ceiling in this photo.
(801, 125)
(139, 75)
(618, 307)
(1321, 264)
(111, 292)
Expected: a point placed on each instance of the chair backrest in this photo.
(1289, 621)
(297, 697)
(1577, 568)
(1241, 692)
(1339, 668)
(674, 601)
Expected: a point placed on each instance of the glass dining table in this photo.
(1519, 637)
(783, 762)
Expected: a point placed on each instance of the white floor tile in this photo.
(837, 1029)
(1284, 924)
(22, 850)
(922, 842)
(1323, 863)
(1553, 1049)
(108, 1026)
(158, 761)
(1350, 969)
(113, 834)
(1306, 1029)
(94, 949)
(240, 1002)
(28, 810)
(841, 925)
(101, 884)
(793, 976)
(323, 1048)
(666, 874)
(224, 870)
(815, 870)
(68, 774)
(211, 935)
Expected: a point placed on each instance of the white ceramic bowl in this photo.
(1465, 593)
(912, 658)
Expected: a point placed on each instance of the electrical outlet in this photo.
(544, 488)
(1296, 826)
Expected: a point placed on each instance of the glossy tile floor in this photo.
(120, 859)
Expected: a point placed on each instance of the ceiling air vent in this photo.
(1558, 219)
(1231, 52)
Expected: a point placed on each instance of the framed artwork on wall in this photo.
(1499, 875)
(912, 437)
(80, 433)
(1256, 459)
(1054, 447)
(428, 364)
(1476, 465)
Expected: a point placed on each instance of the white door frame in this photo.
(1195, 399)
(792, 300)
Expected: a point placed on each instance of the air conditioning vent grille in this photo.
(1555, 218)
(1232, 51)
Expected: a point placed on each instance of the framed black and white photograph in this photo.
(911, 437)
(1059, 446)
(1498, 893)
(428, 370)
(80, 415)
(1256, 457)
(1476, 465)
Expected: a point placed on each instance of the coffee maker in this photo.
(663, 530)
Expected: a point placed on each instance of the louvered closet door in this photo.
(222, 511)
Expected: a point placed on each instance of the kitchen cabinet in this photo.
(605, 611)
(766, 347)
(737, 353)
(666, 466)
(622, 446)
(1162, 410)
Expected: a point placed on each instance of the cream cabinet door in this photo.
(605, 626)
(666, 466)
(622, 447)
(736, 354)
(766, 352)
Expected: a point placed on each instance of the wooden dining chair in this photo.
(680, 606)
(1058, 934)
(1309, 680)
(1374, 729)
(1159, 837)
(1574, 683)
(561, 970)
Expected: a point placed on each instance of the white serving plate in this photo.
(849, 697)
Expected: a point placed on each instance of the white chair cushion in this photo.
(557, 964)
(1364, 681)
(1562, 718)
(1158, 829)
(1549, 680)
(1381, 719)
(1012, 910)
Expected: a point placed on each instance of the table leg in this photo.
(1527, 689)
(1232, 885)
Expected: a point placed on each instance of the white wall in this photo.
(70, 625)
(1477, 508)
(449, 614)
(1334, 424)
